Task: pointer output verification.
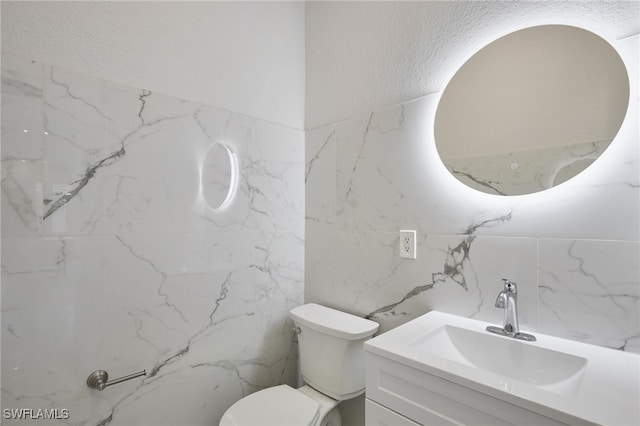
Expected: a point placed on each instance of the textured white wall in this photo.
(361, 56)
(246, 57)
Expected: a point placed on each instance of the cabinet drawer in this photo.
(377, 415)
(428, 399)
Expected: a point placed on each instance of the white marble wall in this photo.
(112, 260)
(573, 249)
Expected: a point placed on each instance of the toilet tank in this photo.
(331, 346)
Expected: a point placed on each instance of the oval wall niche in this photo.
(219, 176)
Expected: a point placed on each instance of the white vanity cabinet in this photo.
(377, 415)
(399, 395)
(443, 369)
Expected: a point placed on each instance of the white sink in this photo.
(551, 375)
(511, 358)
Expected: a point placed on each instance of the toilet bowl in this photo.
(283, 406)
(331, 346)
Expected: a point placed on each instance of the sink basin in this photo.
(504, 356)
(558, 378)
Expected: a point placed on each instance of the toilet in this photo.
(331, 347)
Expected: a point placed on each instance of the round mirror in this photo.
(531, 109)
(219, 176)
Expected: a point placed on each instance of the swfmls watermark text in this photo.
(35, 413)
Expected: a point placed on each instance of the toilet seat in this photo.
(276, 406)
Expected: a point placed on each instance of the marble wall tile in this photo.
(99, 162)
(22, 93)
(23, 149)
(99, 132)
(320, 174)
(22, 197)
(589, 291)
(374, 188)
(454, 273)
(275, 176)
(390, 177)
(572, 249)
(112, 260)
(44, 324)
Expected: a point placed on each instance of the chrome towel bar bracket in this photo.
(99, 379)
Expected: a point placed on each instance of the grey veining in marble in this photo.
(112, 259)
(572, 249)
(525, 172)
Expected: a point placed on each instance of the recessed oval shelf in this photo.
(219, 176)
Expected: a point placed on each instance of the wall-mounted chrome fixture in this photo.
(508, 300)
(99, 379)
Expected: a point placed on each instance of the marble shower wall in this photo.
(573, 249)
(111, 259)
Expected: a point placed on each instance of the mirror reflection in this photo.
(531, 109)
(219, 176)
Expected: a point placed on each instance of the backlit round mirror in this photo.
(219, 176)
(531, 109)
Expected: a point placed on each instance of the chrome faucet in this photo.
(508, 300)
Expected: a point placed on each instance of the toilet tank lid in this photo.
(333, 322)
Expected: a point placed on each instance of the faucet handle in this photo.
(509, 286)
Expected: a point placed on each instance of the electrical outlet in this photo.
(407, 244)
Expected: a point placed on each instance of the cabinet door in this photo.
(431, 400)
(377, 415)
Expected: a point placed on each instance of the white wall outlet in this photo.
(407, 244)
